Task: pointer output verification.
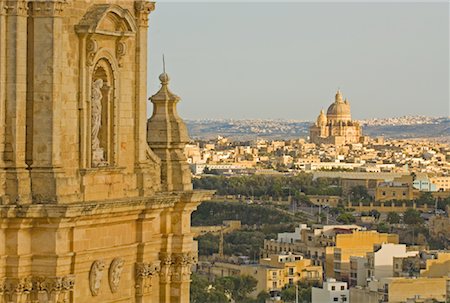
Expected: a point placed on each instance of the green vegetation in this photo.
(412, 217)
(346, 218)
(214, 213)
(269, 186)
(304, 292)
(393, 218)
(235, 287)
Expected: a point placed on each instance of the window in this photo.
(344, 299)
(333, 287)
(342, 287)
(335, 299)
(291, 271)
(384, 193)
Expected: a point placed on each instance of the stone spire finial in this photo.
(167, 135)
(338, 96)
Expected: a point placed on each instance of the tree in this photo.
(412, 217)
(346, 218)
(237, 286)
(262, 297)
(359, 193)
(393, 218)
(202, 291)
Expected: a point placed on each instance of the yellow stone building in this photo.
(95, 201)
(273, 273)
(336, 127)
(357, 244)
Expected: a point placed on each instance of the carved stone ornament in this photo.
(54, 284)
(142, 9)
(91, 51)
(17, 8)
(121, 51)
(96, 276)
(115, 272)
(48, 8)
(144, 273)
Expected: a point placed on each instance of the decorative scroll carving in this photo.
(91, 51)
(96, 276)
(143, 9)
(144, 274)
(17, 8)
(48, 8)
(115, 272)
(98, 155)
(121, 51)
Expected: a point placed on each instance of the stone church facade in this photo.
(95, 201)
(337, 126)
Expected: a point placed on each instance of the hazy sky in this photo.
(286, 60)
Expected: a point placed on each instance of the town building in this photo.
(332, 291)
(358, 243)
(337, 126)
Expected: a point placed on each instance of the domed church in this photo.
(336, 127)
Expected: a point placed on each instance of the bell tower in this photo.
(92, 209)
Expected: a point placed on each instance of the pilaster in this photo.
(17, 177)
(46, 81)
(142, 10)
(2, 93)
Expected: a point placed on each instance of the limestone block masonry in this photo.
(95, 201)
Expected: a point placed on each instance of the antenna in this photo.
(164, 65)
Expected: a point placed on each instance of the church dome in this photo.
(322, 119)
(339, 110)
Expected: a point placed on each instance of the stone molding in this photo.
(96, 276)
(142, 10)
(47, 8)
(115, 273)
(144, 274)
(17, 7)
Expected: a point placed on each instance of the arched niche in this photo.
(103, 32)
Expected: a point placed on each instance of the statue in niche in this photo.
(98, 155)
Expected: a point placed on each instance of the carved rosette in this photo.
(143, 9)
(17, 7)
(96, 276)
(144, 274)
(48, 8)
(115, 272)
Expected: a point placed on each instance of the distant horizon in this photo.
(311, 120)
(286, 60)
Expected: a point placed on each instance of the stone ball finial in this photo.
(164, 78)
